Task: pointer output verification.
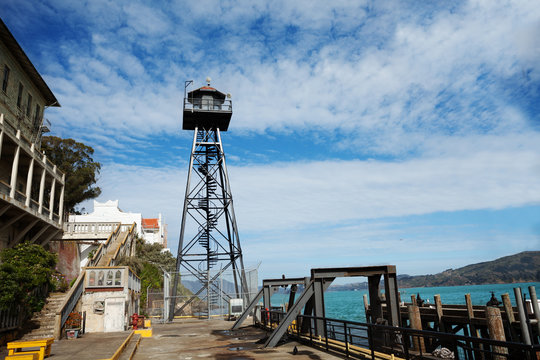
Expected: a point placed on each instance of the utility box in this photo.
(236, 307)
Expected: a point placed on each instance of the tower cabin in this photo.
(207, 108)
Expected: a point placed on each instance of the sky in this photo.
(363, 132)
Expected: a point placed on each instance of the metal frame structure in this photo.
(208, 206)
(312, 298)
(266, 293)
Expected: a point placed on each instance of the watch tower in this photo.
(208, 211)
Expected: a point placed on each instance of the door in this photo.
(114, 315)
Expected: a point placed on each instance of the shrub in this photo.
(23, 269)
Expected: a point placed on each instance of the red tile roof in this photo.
(150, 223)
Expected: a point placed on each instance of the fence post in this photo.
(510, 315)
(416, 323)
(346, 339)
(439, 309)
(57, 327)
(496, 331)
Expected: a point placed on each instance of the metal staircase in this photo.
(209, 204)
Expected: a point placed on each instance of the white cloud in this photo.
(305, 206)
(449, 90)
(383, 74)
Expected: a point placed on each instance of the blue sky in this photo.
(363, 132)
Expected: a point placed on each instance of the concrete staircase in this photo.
(104, 261)
(42, 323)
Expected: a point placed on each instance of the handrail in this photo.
(207, 104)
(102, 249)
(129, 235)
(68, 305)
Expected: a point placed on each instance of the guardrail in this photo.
(207, 104)
(125, 247)
(16, 315)
(371, 341)
(68, 305)
(11, 318)
(94, 227)
(102, 249)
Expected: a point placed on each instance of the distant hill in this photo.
(522, 267)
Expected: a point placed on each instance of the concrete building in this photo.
(31, 187)
(111, 295)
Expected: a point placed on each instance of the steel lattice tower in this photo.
(208, 203)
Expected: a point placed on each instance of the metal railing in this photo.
(207, 104)
(372, 341)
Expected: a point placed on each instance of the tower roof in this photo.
(206, 90)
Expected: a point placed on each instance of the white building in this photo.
(108, 212)
(152, 230)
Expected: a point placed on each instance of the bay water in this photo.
(349, 305)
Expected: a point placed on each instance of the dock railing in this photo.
(372, 341)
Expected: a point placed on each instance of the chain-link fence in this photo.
(197, 297)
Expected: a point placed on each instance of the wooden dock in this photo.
(497, 321)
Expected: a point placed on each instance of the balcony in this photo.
(31, 189)
(207, 113)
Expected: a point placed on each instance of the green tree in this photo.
(24, 268)
(75, 160)
(148, 263)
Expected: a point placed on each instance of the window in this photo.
(118, 278)
(37, 116)
(109, 278)
(92, 278)
(19, 96)
(29, 105)
(101, 277)
(6, 78)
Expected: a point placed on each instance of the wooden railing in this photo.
(11, 318)
(15, 316)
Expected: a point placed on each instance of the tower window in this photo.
(19, 96)
(6, 78)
